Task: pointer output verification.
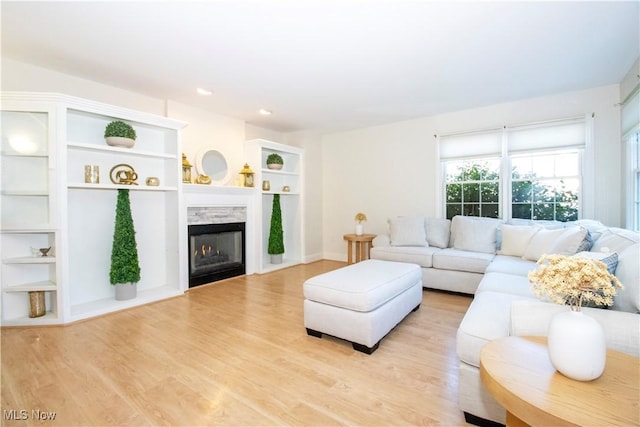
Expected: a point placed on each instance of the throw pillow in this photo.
(515, 239)
(476, 235)
(615, 240)
(587, 242)
(609, 258)
(407, 231)
(569, 241)
(438, 232)
(541, 243)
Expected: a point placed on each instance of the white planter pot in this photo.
(359, 229)
(125, 291)
(276, 259)
(118, 141)
(577, 346)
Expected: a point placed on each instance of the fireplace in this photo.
(216, 252)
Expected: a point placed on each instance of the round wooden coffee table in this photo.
(518, 373)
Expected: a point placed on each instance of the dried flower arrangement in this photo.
(574, 280)
(360, 217)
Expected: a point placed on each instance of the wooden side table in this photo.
(363, 245)
(518, 373)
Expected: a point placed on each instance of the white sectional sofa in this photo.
(490, 259)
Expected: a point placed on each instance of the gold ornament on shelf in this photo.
(123, 173)
(248, 175)
(203, 179)
(186, 169)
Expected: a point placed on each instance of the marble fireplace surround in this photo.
(205, 204)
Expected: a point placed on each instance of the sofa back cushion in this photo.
(437, 230)
(615, 240)
(541, 243)
(516, 238)
(474, 234)
(407, 231)
(627, 272)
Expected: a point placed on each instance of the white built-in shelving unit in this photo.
(291, 202)
(46, 202)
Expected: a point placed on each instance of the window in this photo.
(631, 139)
(531, 171)
(545, 186)
(473, 188)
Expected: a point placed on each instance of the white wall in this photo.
(207, 130)
(390, 170)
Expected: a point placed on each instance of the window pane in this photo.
(521, 191)
(543, 211)
(471, 192)
(566, 212)
(521, 211)
(490, 210)
(521, 167)
(453, 210)
(543, 166)
(567, 164)
(471, 209)
(490, 192)
(454, 193)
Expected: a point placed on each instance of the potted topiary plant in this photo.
(120, 134)
(274, 161)
(276, 241)
(125, 268)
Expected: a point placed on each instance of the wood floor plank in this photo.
(234, 353)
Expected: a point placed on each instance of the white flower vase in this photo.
(359, 229)
(577, 345)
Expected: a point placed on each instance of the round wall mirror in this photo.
(212, 163)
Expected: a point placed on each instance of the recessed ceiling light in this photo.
(202, 91)
(265, 112)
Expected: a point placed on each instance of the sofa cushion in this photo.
(486, 319)
(453, 259)
(615, 240)
(421, 255)
(541, 243)
(515, 238)
(511, 265)
(437, 232)
(569, 241)
(610, 259)
(507, 284)
(627, 272)
(407, 231)
(474, 234)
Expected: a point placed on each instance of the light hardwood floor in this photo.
(234, 353)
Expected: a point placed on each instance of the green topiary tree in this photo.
(125, 267)
(121, 129)
(276, 241)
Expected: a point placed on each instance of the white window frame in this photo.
(586, 194)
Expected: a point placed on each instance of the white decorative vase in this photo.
(359, 229)
(577, 345)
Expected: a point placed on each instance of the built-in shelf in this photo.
(140, 187)
(31, 287)
(120, 150)
(108, 305)
(30, 260)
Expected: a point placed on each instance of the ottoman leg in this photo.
(314, 333)
(364, 349)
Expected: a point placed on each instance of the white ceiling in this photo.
(330, 65)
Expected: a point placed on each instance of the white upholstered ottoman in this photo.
(362, 302)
